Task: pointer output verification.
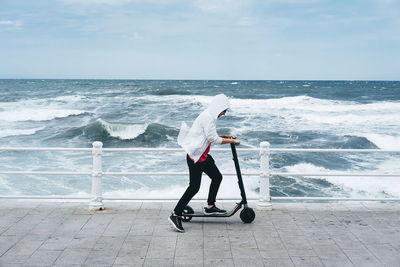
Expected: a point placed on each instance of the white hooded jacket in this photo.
(204, 129)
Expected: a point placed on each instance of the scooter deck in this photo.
(227, 214)
(201, 214)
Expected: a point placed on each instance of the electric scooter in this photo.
(247, 214)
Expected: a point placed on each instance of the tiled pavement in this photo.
(138, 234)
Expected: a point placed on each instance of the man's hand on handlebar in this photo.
(228, 136)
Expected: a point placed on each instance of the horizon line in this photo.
(174, 79)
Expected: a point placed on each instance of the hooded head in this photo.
(218, 104)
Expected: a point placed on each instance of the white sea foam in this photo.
(124, 131)
(42, 109)
(15, 132)
(309, 104)
(294, 104)
(306, 168)
(38, 114)
(359, 186)
(383, 141)
(349, 118)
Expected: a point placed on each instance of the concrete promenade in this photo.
(138, 234)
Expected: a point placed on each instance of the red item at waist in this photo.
(203, 156)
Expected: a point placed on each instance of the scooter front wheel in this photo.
(247, 215)
(187, 210)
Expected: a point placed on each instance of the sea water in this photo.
(148, 113)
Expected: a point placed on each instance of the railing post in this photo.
(264, 202)
(96, 200)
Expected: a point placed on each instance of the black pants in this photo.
(195, 171)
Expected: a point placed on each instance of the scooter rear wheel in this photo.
(247, 215)
(187, 210)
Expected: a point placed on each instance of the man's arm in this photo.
(228, 136)
(230, 141)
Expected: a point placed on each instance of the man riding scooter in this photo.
(197, 142)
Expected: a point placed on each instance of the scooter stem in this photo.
(239, 175)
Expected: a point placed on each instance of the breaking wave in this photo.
(123, 131)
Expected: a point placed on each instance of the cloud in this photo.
(10, 25)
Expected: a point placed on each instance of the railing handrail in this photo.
(162, 149)
(264, 173)
(333, 174)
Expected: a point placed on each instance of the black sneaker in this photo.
(213, 210)
(176, 222)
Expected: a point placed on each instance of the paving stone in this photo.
(56, 243)
(241, 252)
(386, 254)
(264, 243)
(295, 243)
(189, 261)
(242, 241)
(347, 241)
(274, 252)
(129, 259)
(43, 258)
(217, 253)
(190, 253)
(194, 242)
(301, 252)
(161, 247)
(337, 263)
(306, 261)
(142, 229)
(101, 258)
(109, 243)
(278, 262)
(72, 256)
(245, 262)
(218, 263)
(82, 242)
(362, 258)
(152, 262)
(7, 242)
(23, 248)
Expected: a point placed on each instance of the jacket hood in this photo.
(218, 104)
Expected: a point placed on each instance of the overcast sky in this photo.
(200, 39)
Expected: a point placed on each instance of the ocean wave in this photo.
(349, 118)
(124, 131)
(68, 98)
(176, 99)
(306, 168)
(383, 141)
(15, 132)
(38, 114)
(358, 186)
(298, 103)
(309, 104)
(125, 134)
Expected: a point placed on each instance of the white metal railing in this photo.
(264, 199)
